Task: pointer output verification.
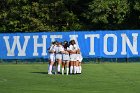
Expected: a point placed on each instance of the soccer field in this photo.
(96, 78)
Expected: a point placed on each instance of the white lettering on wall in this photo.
(132, 46)
(53, 37)
(92, 37)
(43, 45)
(16, 42)
(114, 51)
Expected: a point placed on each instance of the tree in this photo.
(133, 19)
(62, 18)
(106, 14)
(36, 15)
(63, 15)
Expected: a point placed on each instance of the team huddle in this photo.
(66, 55)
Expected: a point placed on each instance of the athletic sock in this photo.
(74, 69)
(77, 69)
(54, 69)
(80, 69)
(67, 71)
(71, 69)
(58, 68)
(62, 71)
(50, 69)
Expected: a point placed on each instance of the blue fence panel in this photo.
(93, 44)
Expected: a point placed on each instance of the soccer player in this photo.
(73, 56)
(66, 58)
(58, 50)
(51, 57)
(79, 60)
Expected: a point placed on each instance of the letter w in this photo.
(16, 42)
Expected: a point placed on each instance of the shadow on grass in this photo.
(52, 73)
(40, 72)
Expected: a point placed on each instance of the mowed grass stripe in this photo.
(96, 78)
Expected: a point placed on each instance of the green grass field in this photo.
(96, 78)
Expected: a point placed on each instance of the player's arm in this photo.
(52, 50)
(71, 51)
(62, 51)
(48, 49)
(66, 52)
(78, 51)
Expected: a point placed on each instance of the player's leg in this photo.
(67, 67)
(71, 66)
(59, 65)
(54, 68)
(71, 63)
(59, 62)
(50, 67)
(80, 64)
(63, 66)
(54, 65)
(80, 68)
(51, 63)
(75, 63)
(77, 66)
(63, 63)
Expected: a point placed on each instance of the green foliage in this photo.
(110, 12)
(63, 15)
(137, 7)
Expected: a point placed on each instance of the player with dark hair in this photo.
(73, 56)
(66, 58)
(79, 60)
(51, 57)
(58, 50)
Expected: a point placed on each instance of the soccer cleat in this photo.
(74, 73)
(71, 74)
(62, 73)
(55, 73)
(49, 73)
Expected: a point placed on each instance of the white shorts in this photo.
(58, 56)
(79, 57)
(52, 57)
(66, 57)
(73, 57)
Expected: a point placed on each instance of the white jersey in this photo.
(73, 47)
(66, 57)
(52, 55)
(73, 57)
(58, 50)
(52, 48)
(79, 57)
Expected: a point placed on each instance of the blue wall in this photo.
(93, 44)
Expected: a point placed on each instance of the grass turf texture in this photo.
(96, 78)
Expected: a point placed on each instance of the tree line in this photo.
(67, 15)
